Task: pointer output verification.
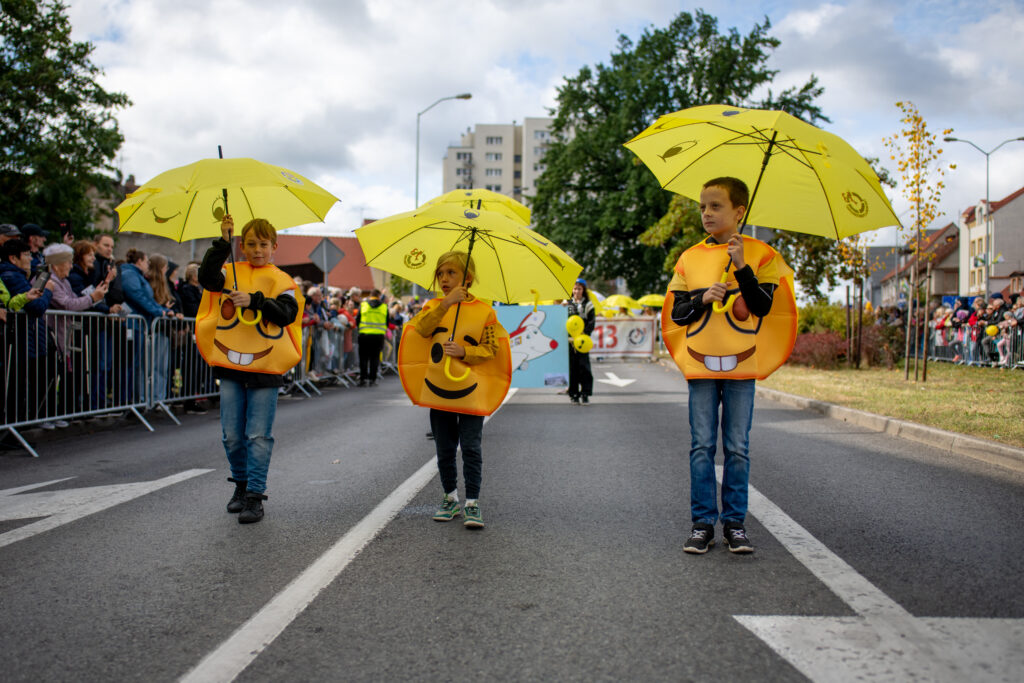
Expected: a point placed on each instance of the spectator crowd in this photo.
(58, 362)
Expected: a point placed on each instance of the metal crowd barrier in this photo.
(70, 365)
(65, 365)
(176, 372)
(971, 346)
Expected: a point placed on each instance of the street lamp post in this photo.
(461, 96)
(988, 223)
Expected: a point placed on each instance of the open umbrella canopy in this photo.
(487, 200)
(514, 264)
(188, 202)
(812, 182)
(620, 301)
(652, 300)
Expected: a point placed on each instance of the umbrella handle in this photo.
(726, 306)
(255, 321)
(448, 370)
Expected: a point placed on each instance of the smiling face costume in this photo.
(433, 380)
(732, 343)
(238, 339)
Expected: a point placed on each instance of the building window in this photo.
(492, 172)
(493, 156)
(518, 159)
(493, 188)
(464, 156)
(541, 135)
(493, 139)
(539, 168)
(517, 174)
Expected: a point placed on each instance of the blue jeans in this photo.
(736, 396)
(247, 423)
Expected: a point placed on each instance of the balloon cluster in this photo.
(581, 342)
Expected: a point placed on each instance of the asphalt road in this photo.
(877, 558)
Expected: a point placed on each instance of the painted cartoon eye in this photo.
(227, 309)
(436, 352)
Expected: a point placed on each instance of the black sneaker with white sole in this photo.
(736, 538)
(702, 537)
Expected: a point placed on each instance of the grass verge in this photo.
(983, 402)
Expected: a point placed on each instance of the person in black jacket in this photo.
(248, 400)
(581, 379)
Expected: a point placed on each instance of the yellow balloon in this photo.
(991, 330)
(574, 325)
(583, 343)
(609, 312)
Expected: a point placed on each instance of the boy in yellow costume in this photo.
(461, 380)
(725, 332)
(251, 336)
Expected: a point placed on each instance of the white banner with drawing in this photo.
(625, 337)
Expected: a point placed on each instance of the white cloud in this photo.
(331, 88)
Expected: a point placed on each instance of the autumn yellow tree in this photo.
(915, 151)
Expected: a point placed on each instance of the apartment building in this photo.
(1006, 229)
(505, 158)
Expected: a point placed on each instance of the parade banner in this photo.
(539, 343)
(624, 337)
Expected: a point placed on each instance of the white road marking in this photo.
(67, 505)
(616, 380)
(232, 656)
(884, 641)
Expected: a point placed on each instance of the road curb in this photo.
(951, 442)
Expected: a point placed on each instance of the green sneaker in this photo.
(448, 511)
(473, 518)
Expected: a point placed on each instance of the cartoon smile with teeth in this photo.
(730, 342)
(230, 337)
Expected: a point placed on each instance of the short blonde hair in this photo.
(262, 228)
(461, 259)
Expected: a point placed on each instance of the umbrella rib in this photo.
(305, 204)
(188, 212)
(247, 202)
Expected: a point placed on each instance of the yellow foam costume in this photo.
(238, 339)
(731, 343)
(434, 380)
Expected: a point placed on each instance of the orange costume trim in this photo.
(732, 344)
(240, 339)
(471, 386)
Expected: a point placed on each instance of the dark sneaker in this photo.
(575, 401)
(736, 538)
(253, 510)
(237, 501)
(430, 435)
(702, 537)
(585, 400)
(448, 511)
(474, 520)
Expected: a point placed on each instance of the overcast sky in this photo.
(331, 88)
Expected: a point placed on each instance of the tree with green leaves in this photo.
(600, 203)
(58, 134)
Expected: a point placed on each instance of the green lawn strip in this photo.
(982, 402)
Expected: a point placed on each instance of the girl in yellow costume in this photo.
(725, 333)
(461, 380)
(251, 337)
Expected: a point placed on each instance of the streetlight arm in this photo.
(460, 96)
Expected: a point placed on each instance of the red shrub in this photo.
(819, 350)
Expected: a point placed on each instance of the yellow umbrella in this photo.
(620, 301)
(652, 300)
(514, 264)
(484, 199)
(810, 181)
(188, 202)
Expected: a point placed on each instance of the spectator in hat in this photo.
(8, 231)
(31, 341)
(36, 238)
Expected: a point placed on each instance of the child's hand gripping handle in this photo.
(727, 304)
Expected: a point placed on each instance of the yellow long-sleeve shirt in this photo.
(430, 318)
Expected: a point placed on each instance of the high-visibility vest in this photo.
(730, 344)
(229, 340)
(372, 320)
